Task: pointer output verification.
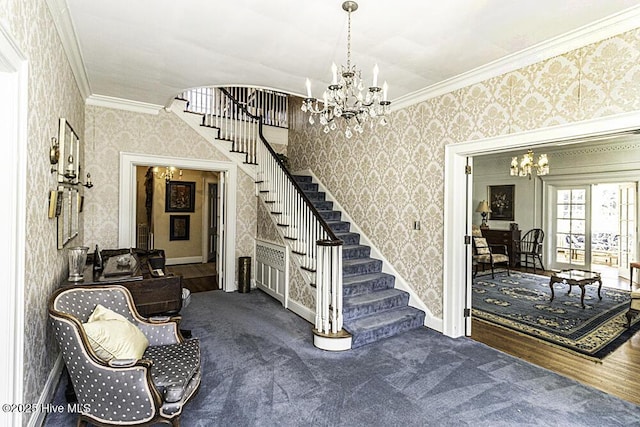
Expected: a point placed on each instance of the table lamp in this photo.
(484, 209)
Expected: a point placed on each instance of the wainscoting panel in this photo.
(272, 272)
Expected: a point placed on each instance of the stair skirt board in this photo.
(373, 308)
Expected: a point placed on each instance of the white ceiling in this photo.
(149, 51)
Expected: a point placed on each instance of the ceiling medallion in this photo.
(344, 97)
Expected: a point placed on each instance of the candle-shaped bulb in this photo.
(324, 97)
(334, 74)
(308, 84)
(376, 70)
(385, 89)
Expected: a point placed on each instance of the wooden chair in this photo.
(531, 247)
(634, 307)
(489, 254)
(632, 265)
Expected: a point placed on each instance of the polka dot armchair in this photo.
(151, 389)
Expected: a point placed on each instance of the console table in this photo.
(151, 295)
(509, 238)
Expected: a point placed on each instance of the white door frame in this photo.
(205, 218)
(13, 152)
(455, 205)
(127, 206)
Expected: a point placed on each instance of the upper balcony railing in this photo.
(270, 105)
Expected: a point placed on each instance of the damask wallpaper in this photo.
(389, 178)
(109, 132)
(53, 93)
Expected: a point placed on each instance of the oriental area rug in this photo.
(521, 302)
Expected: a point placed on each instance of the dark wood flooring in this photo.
(617, 374)
(197, 277)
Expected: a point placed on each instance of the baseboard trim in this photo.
(37, 418)
(302, 311)
(184, 260)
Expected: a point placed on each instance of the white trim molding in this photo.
(13, 160)
(456, 209)
(46, 397)
(127, 213)
(124, 104)
(610, 26)
(67, 32)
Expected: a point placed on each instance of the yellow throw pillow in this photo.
(112, 336)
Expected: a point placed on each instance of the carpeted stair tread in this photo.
(349, 238)
(355, 251)
(303, 178)
(373, 302)
(330, 214)
(374, 327)
(339, 226)
(361, 266)
(354, 285)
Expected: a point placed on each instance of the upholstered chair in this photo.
(141, 376)
(486, 254)
(634, 308)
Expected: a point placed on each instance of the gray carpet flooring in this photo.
(261, 369)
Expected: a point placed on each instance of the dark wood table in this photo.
(152, 295)
(579, 278)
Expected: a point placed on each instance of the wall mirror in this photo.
(69, 154)
(68, 216)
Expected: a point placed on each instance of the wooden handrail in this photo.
(304, 197)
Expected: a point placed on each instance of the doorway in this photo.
(13, 155)
(227, 172)
(456, 248)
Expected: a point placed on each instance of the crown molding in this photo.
(62, 20)
(610, 26)
(124, 104)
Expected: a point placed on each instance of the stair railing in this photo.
(308, 234)
(318, 249)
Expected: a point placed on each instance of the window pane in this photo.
(562, 255)
(564, 211)
(577, 257)
(564, 226)
(578, 196)
(563, 241)
(578, 226)
(578, 211)
(577, 241)
(564, 196)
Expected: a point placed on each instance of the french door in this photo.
(570, 227)
(628, 226)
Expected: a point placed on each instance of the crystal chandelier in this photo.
(344, 97)
(526, 166)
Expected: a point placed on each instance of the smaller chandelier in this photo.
(167, 174)
(526, 166)
(344, 97)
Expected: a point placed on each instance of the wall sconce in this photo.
(168, 173)
(484, 209)
(70, 170)
(54, 154)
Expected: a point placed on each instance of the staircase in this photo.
(352, 292)
(371, 307)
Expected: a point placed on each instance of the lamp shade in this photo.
(483, 207)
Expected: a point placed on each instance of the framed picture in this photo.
(502, 202)
(179, 227)
(180, 196)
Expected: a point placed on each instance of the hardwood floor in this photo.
(617, 374)
(199, 277)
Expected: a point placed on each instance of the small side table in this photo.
(632, 265)
(572, 278)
